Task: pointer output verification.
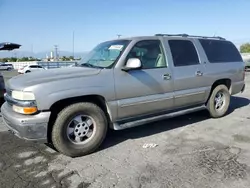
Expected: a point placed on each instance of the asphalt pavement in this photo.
(192, 151)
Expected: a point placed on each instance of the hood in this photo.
(30, 79)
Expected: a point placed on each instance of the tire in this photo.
(8, 69)
(217, 113)
(62, 141)
(27, 71)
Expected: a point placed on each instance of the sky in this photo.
(38, 25)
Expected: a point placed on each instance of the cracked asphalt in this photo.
(193, 151)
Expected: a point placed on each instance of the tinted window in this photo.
(183, 53)
(218, 51)
(105, 55)
(35, 66)
(150, 53)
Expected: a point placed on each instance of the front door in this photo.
(148, 90)
(188, 73)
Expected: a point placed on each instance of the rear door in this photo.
(188, 72)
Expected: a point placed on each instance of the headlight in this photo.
(23, 95)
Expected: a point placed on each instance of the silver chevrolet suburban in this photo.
(120, 84)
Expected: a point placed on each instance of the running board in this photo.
(130, 124)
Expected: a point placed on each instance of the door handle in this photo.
(166, 76)
(199, 73)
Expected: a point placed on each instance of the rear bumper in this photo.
(237, 87)
(20, 71)
(243, 88)
(27, 127)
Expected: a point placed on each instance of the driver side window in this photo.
(150, 53)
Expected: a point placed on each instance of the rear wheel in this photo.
(79, 129)
(27, 71)
(219, 101)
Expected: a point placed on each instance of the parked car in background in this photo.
(5, 66)
(7, 46)
(30, 68)
(247, 64)
(72, 65)
(123, 83)
(246, 59)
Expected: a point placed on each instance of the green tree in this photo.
(64, 58)
(4, 60)
(245, 48)
(24, 59)
(12, 59)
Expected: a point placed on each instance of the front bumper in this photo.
(28, 127)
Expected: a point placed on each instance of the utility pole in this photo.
(73, 44)
(32, 50)
(14, 52)
(56, 53)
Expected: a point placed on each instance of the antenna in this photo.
(215, 33)
(73, 41)
(32, 50)
(118, 36)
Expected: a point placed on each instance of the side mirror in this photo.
(132, 64)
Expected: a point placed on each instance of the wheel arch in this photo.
(225, 81)
(59, 105)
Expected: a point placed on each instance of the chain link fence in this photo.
(45, 64)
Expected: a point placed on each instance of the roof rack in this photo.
(186, 35)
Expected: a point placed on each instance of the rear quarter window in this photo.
(220, 51)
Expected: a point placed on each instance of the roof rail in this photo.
(186, 35)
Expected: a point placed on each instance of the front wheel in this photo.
(79, 129)
(219, 101)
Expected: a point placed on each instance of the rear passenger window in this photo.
(218, 51)
(183, 53)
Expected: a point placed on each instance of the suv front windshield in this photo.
(104, 55)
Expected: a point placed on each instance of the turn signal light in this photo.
(25, 110)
